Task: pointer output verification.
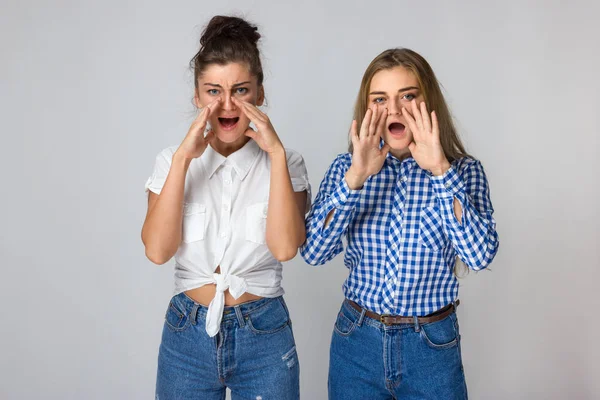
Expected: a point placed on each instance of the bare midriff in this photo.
(204, 295)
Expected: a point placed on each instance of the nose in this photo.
(393, 107)
(227, 103)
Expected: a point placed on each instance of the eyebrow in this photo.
(400, 91)
(233, 86)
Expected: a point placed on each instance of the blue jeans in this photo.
(254, 354)
(369, 360)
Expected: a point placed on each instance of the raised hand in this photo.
(265, 135)
(426, 147)
(195, 142)
(367, 157)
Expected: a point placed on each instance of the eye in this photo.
(409, 96)
(378, 100)
(241, 90)
(213, 92)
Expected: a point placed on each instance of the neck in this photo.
(401, 154)
(226, 149)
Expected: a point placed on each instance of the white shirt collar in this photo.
(241, 160)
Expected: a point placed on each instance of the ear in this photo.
(261, 96)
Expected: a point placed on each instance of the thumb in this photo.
(250, 133)
(411, 147)
(209, 136)
(386, 148)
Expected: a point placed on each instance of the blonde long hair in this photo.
(434, 99)
(430, 88)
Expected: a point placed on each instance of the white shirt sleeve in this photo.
(299, 175)
(162, 166)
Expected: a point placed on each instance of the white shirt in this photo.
(224, 223)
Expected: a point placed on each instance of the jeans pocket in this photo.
(269, 319)
(431, 229)
(441, 334)
(345, 323)
(176, 318)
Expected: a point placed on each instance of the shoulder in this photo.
(465, 163)
(166, 154)
(293, 157)
(342, 161)
(469, 168)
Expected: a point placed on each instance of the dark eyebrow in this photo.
(400, 91)
(233, 86)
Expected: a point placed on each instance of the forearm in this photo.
(472, 231)
(161, 233)
(285, 222)
(327, 222)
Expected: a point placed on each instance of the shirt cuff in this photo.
(344, 198)
(448, 184)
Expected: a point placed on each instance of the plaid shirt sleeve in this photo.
(474, 238)
(325, 242)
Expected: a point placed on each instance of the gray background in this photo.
(90, 92)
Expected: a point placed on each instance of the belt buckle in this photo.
(382, 317)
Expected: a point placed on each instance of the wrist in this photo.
(180, 159)
(354, 180)
(277, 152)
(441, 169)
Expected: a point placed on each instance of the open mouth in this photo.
(228, 123)
(396, 128)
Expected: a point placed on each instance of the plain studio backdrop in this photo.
(91, 91)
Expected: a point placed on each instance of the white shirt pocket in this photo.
(256, 223)
(194, 222)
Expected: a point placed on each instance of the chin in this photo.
(228, 136)
(398, 144)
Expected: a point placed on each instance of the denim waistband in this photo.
(197, 311)
(362, 318)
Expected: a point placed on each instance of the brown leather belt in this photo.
(387, 319)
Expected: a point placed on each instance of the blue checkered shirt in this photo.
(402, 234)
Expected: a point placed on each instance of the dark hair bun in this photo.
(224, 28)
(226, 40)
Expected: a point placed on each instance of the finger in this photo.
(364, 127)
(374, 120)
(200, 121)
(416, 114)
(208, 109)
(353, 132)
(412, 125)
(435, 129)
(249, 109)
(382, 122)
(425, 117)
(255, 108)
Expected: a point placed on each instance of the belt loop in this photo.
(417, 325)
(361, 318)
(240, 316)
(194, 313)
